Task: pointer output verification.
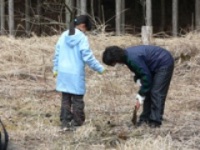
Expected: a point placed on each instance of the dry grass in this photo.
(30, 106)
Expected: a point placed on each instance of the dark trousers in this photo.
(154, 104)
(72, 108)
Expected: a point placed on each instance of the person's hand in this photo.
(138, 82)
(137, 105)
(104, 70)
(139, 101)
(55, 73)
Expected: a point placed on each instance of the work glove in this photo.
(138, 82)
(104, 70)
(139, 100)
(55, 73)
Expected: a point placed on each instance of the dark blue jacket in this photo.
(144, 61)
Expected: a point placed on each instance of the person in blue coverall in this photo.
(153, 68)
(72, 53)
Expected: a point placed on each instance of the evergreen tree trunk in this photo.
(0, 17)
(39, 10)
(11, 17)
(162, 15)
(78, 7)
(122, 16)
(147, 30)
(2, 12)
(99, 9)
(69, 14)
(148, 13)
(83, 7)
(175, 17)
(197, 14)
(118, 17)
(27, 16)
(92, 9)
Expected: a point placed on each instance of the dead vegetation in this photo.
(30, 106)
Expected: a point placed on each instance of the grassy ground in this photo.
(29, 105)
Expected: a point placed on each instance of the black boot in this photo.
(154, 124)
(142, 122)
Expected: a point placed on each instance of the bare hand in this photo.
(137, 105)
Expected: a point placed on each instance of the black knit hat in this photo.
(85, 19)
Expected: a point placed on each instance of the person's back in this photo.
(70, 57)
(153, 56)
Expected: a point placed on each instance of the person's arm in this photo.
(88, 56)
(141, 72)
(135, 78)
(145, 78)
(55, 59)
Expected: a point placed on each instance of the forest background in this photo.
(30, 106)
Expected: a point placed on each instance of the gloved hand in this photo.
(55, 73)
(104, 70)
(138, 82)
(139, 100)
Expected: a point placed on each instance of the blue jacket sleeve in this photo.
(88, 56)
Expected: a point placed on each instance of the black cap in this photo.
(85, 19)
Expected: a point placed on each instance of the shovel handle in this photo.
(134, 117)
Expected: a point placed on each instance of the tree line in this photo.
(47, 17)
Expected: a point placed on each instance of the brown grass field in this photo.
(29, 105)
